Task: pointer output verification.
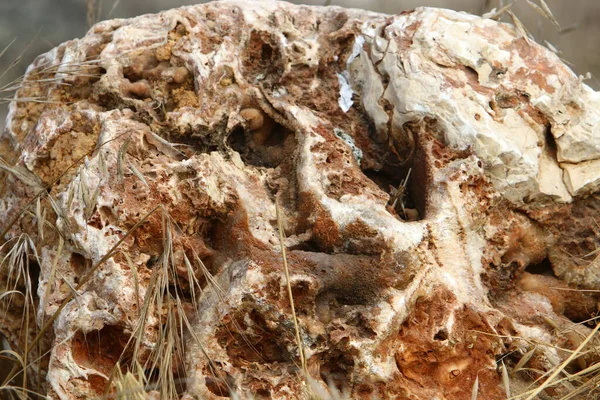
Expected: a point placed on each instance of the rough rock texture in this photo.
(217, 112)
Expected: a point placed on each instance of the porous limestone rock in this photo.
(436, 174)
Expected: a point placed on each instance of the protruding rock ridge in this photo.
(434, 170)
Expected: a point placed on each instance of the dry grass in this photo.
(128, 385)
(584, 382)
(299, 341)
(551, 380)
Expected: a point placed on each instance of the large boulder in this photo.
(435, 173)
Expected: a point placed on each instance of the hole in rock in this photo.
(99, 349)
(308, 246)
(261, 57)
(404, 173)
(34, 276)
(398, 183)
(550, 141)
(78, 263)
(267, 146)
(544, 267)
(338, 368)
(237, 140)
(263, 394)
(471, 73)
(106, 215)
(301, 293)
(95, 221)
(329, 301)
(266, 53)
(152, 261)
(441, 335)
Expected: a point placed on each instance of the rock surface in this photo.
(435, 171)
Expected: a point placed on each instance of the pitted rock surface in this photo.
(436, 174)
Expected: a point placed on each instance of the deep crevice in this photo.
(550, 142)
(262, 148)
(34, 276)
(402, 191)
(402, 167)
(544, 267)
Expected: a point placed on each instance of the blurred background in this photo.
(36, 26)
